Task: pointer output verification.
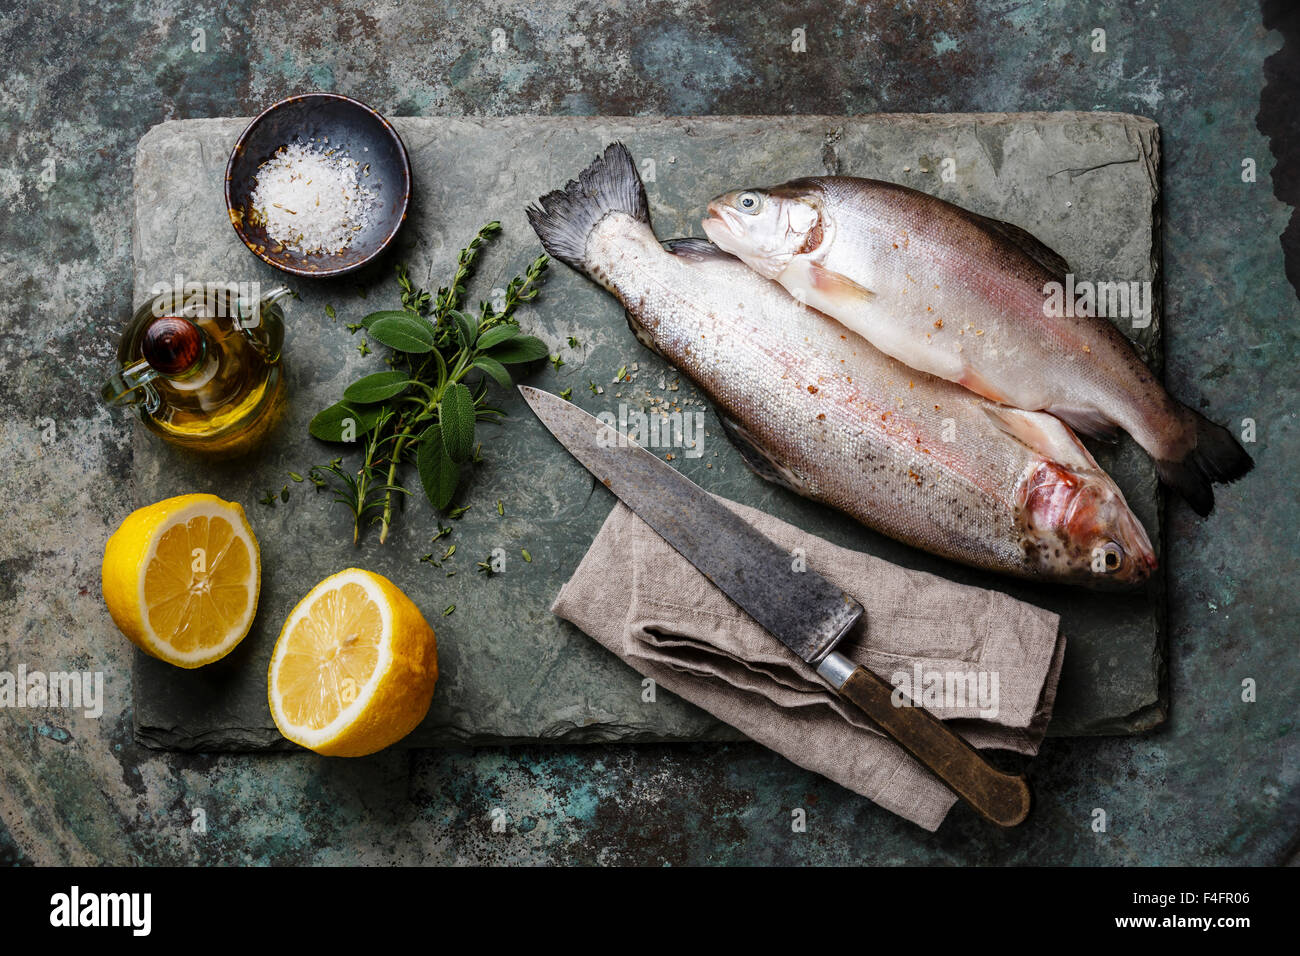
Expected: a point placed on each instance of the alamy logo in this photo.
(230, 300)
(684, 430)
(75, 690)
(74, 908)
(952, 690)
(1116, 300)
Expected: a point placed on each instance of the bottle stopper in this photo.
(172, 345)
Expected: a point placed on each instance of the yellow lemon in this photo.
(181, 578)
(354, 668)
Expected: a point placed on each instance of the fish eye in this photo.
(1109, 558)
(749, 202)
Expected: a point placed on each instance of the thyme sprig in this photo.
(425, 407)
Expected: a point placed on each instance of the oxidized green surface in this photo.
(1217, 783)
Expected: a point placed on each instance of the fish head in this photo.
(767, 228)
(1079, 528)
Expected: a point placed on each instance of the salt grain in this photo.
(311, 201)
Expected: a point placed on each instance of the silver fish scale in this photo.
(851, 427)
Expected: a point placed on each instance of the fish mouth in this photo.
(1074, 520)
(1137, 545)
(720, 217)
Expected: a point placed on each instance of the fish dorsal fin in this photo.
(837, 286)
(759, 460)
(1030, 245)
(1043, 433)
(697, 250)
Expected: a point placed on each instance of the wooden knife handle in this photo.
(1001, 798)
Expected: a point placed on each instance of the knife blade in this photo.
(792, 602)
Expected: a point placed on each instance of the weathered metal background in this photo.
(82, 83)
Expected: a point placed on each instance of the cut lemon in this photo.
(354, 668)
(181, 578)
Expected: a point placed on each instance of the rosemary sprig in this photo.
(425, 407)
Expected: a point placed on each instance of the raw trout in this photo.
(817, 409)
(968, 299)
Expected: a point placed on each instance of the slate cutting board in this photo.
(1085, 183)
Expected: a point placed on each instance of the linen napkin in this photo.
(642, 600)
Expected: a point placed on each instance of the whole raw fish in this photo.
(819, 410)
(972, 300)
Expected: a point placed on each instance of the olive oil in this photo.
(203, 368)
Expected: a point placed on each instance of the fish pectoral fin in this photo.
(759, 460)
(836, 286)
(1042, 433)
(977, 383)
(1087, 420)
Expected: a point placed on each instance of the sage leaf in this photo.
(374, 317)
(456, 416)
(377, 387)
(466, 329)
(520, 349)
(405, 332)
(499, 372)
(497, 334)
(438, 473)
(332, 424)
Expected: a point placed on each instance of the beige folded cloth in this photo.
(641, 599)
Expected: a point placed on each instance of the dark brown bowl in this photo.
(342, 122)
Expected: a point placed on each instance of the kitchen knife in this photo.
(800, 608)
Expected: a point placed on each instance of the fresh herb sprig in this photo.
(425, 408)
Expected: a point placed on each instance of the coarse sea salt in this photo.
(312, 199)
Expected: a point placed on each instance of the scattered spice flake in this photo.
(329, 311)
(450, 609)
(938, 323)
(527, 557)
(812, 389)
(457, 512)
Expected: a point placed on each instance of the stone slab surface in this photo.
(1085, 183)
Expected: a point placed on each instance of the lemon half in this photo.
(354, 668)
(181, 578)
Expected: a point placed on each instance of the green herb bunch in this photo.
(425, 408)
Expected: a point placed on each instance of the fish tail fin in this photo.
(1215, 456)
(563, 219)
